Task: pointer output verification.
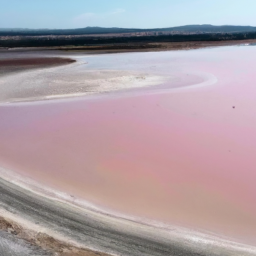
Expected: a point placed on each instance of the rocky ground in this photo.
(11, 245)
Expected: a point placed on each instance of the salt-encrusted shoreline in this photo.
(130, 225)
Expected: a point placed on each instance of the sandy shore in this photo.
(45, 217)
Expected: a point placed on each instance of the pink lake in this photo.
(185, 156)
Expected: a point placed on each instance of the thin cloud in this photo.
(118, 11)
(84, 17)
(90, 17)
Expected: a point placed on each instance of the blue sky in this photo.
(127, 14)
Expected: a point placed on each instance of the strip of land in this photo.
(136, 46)
(153, 46)
(34, 62)
(16, 65)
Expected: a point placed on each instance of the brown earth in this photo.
(157, 46)
(34, 62)
(45, 241)
(8, 66)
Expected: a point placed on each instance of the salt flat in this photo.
(173, 150)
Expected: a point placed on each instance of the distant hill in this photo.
(211, 29)
(100, 30)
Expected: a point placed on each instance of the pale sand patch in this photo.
(71, 81)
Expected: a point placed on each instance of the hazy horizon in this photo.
(129, 14)
(46, 28)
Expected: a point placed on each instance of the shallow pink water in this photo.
(183, 156)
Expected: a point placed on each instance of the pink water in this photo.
(183, 156)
